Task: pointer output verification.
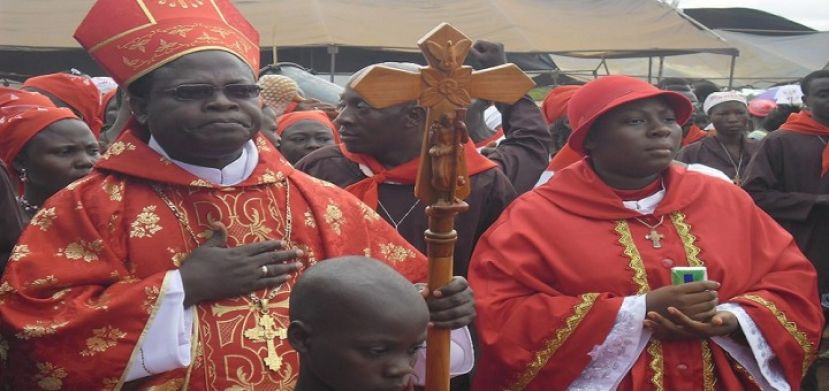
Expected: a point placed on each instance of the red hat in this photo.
(761, 107)
(131, 38)
(604, 94)
(555, 104)
(286, 120)
(79, 92)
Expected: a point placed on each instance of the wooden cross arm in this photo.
(503, 84)
(383, 87)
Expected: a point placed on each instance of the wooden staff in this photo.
(445, 88)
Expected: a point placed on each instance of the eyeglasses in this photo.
(205, 91)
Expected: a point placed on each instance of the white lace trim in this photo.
(614, 358)
(758, 358)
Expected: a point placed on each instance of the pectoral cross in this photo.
(445, 88)
(266, 331)
(655, 238)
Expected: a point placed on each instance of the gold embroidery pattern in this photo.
(39, 329)
(44, 218)
(45, 281)
(83, 250)
(636, 264)
(262, 145)
(367, 252)
(117, 148)
(708, 378)
(19, 252)
(177, 257)
(268, 177)
(395, 253)
(50, 376)
(78, 182)
(101, 340)
(110, 382)
(114, 190)
(182, 3)
(152, 293)
(798, 335)
(688, 239)
(369, 214)
(554, 343)
(145, 224)
(164, 48)
(200, 183)
(309, 219)
(322, 182)
(657, 364)
(334, 217)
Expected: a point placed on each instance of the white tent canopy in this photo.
(763, 60)
(586, 28)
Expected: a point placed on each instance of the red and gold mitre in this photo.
(131, 38)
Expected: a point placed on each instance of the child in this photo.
(357, 325)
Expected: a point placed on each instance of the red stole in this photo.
(694, 134)
(406, 173)
(803, 123)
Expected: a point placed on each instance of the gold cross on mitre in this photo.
(442, 87)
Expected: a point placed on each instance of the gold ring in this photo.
(264, 270)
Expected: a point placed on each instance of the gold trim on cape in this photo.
(554, 343)
(657, 364)
(636, 264)
(709, 378)
(688, 239)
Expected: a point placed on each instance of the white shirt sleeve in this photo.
(758, 358)
(461, 356)
(614, 358)
(166, 346)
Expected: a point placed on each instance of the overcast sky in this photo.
(811, 13)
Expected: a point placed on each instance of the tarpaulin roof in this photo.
(587, 28)
(763, 60)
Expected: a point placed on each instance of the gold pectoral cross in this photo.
(266, 331)
(655, 238)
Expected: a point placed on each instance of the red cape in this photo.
(551, 273)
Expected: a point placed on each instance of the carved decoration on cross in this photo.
(442, 87)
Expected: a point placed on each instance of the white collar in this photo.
(646, 205)
(233, 173)
(369, 173)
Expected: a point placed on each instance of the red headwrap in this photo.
(555, 104)
(19, 123)
(803, 123)
(286, 120)
(130, 39)
(604, 94)
(11, 96)
(79, 92)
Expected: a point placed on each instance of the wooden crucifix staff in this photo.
(445, 88)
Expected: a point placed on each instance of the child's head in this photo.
(356, 324)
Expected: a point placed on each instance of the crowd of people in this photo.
(194, 224)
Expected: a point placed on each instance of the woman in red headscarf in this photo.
(44, 148)
(303, 132)
(76, 92)
(574, 286)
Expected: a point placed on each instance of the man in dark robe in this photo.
(787, 178)
(377, 161)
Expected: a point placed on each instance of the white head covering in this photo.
(721, 97)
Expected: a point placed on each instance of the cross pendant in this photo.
(655, 238)
(265, 331)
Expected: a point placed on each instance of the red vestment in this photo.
(545, 300)
(83, 282)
